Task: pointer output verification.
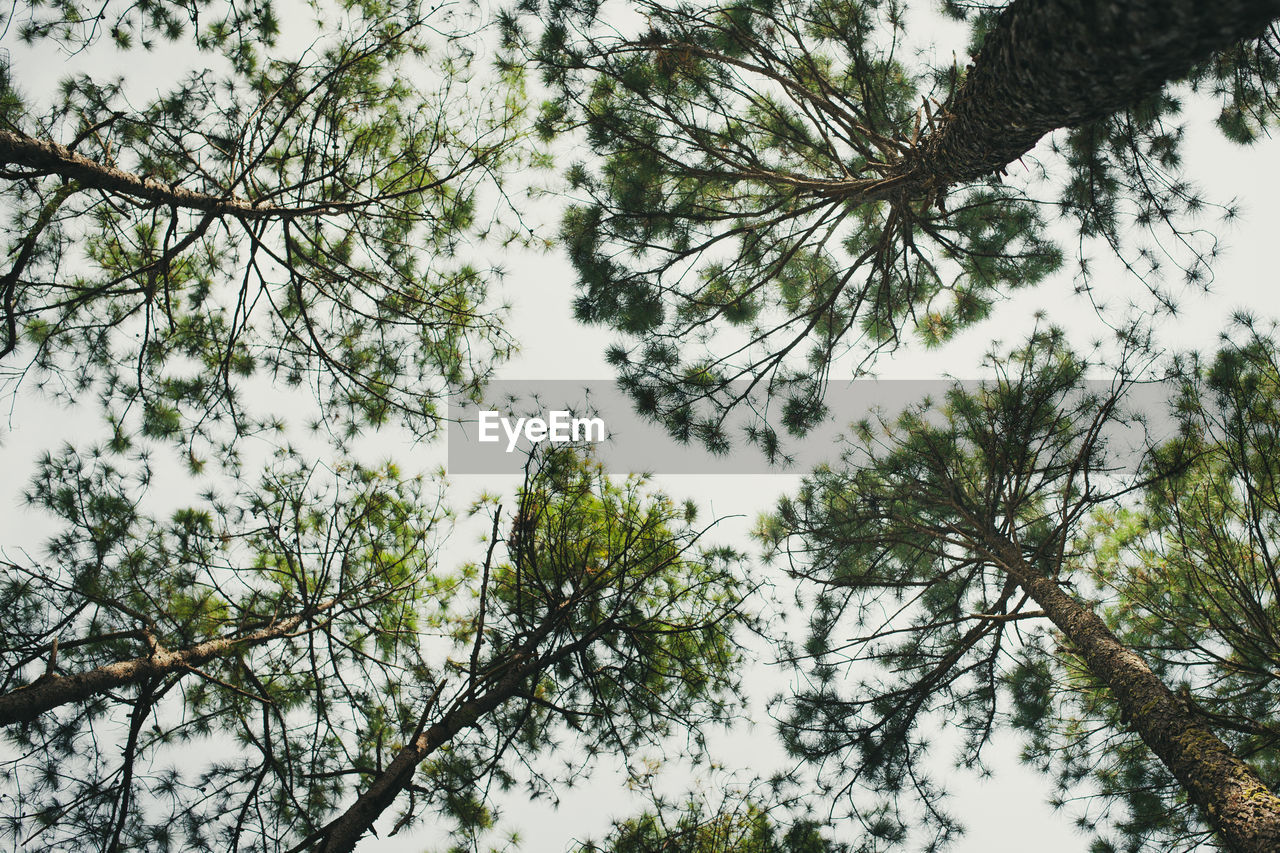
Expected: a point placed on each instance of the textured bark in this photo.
(1049, 64)
(342, 834)
(51, 158)
(51, 691)
(1235, 800)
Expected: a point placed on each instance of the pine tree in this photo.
(311, 214)
(945, 533)
(605, 622)
(211, 677)
(607, 627)
(780, 187)
(1186, 578)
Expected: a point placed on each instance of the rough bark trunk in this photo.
(1237, 803)
(51, 691)
(342, 834)
(51, 158)
(1049, 64)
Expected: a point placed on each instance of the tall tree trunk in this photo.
(1049, 64)
(342, 833)
(50, 691)
(1237, 803)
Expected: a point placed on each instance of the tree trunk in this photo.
(1062, 63)
(1238, 805)
(50, 691)
(341, 834)
(47, 157)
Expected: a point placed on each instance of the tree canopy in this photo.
(737, 824)
(316, 204)
(305, 205)
(781, 191)
(309, 594)
(345, 659)
(952, 531)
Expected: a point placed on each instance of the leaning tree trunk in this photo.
(51, 691)
(342, 833)
(1049, 64)
(1237, 803)
(44, 157)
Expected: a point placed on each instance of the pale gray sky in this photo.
(1002, 811)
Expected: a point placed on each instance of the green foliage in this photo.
(920, 618)
(737, 228)
(1125, 187)
(1245, 81)
(239, 30)
(316, 218)
(1186, 579)
(734, 826)
(607, 629)
(637, 625)
(769, 207)
(263, 738)
(916, 622)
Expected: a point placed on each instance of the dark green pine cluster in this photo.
(310, 214)
(744, 223)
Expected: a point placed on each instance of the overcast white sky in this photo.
(1008, 806)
